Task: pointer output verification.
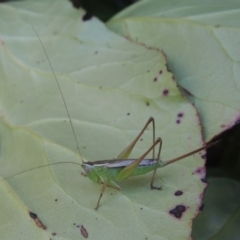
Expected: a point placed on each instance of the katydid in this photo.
(106, 172)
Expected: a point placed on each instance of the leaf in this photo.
(220, 216)
(111, 87)
(201, 41)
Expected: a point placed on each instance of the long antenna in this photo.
(75, 136)
(30, 169)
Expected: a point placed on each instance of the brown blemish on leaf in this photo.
(128, 114)
(165, 92)
(178, 211)
(201, 171)
(84, 232)
(160, 72)
(147, 103)
(178, 121)
(37, 220)
(180, 115)
(178, 193)
(54, 234)
(155, 79)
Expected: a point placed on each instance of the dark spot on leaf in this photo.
(180, 115)
(178, 193)
(178, 121)
(147, 103)
(84, 232)
(165, 92)
(141, 139)
(222, 126)
(37, 220)
(160, 72)
(96, 52)
(201, 207)
(141, 208)
(100, 87)
(84, 147)
(155, 79)
(56, 200)
(54, 234)
(33, 215)
(178, 211)
(86, 16)
(200, 170)
(204, 156)
(148, 71)
(128, 114)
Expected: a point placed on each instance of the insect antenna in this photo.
(64, 102)
(30, 169)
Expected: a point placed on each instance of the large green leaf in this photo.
(221, 215)
(111, 86)
(201, 41)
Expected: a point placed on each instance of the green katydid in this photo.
(106, 172)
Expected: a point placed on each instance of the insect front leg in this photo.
(106, 184)
(101, 194)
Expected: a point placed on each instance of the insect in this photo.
(106, 172)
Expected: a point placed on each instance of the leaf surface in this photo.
(111, 87)
(201, 41)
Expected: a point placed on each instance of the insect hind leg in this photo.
(156, 167)
(127, 151)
